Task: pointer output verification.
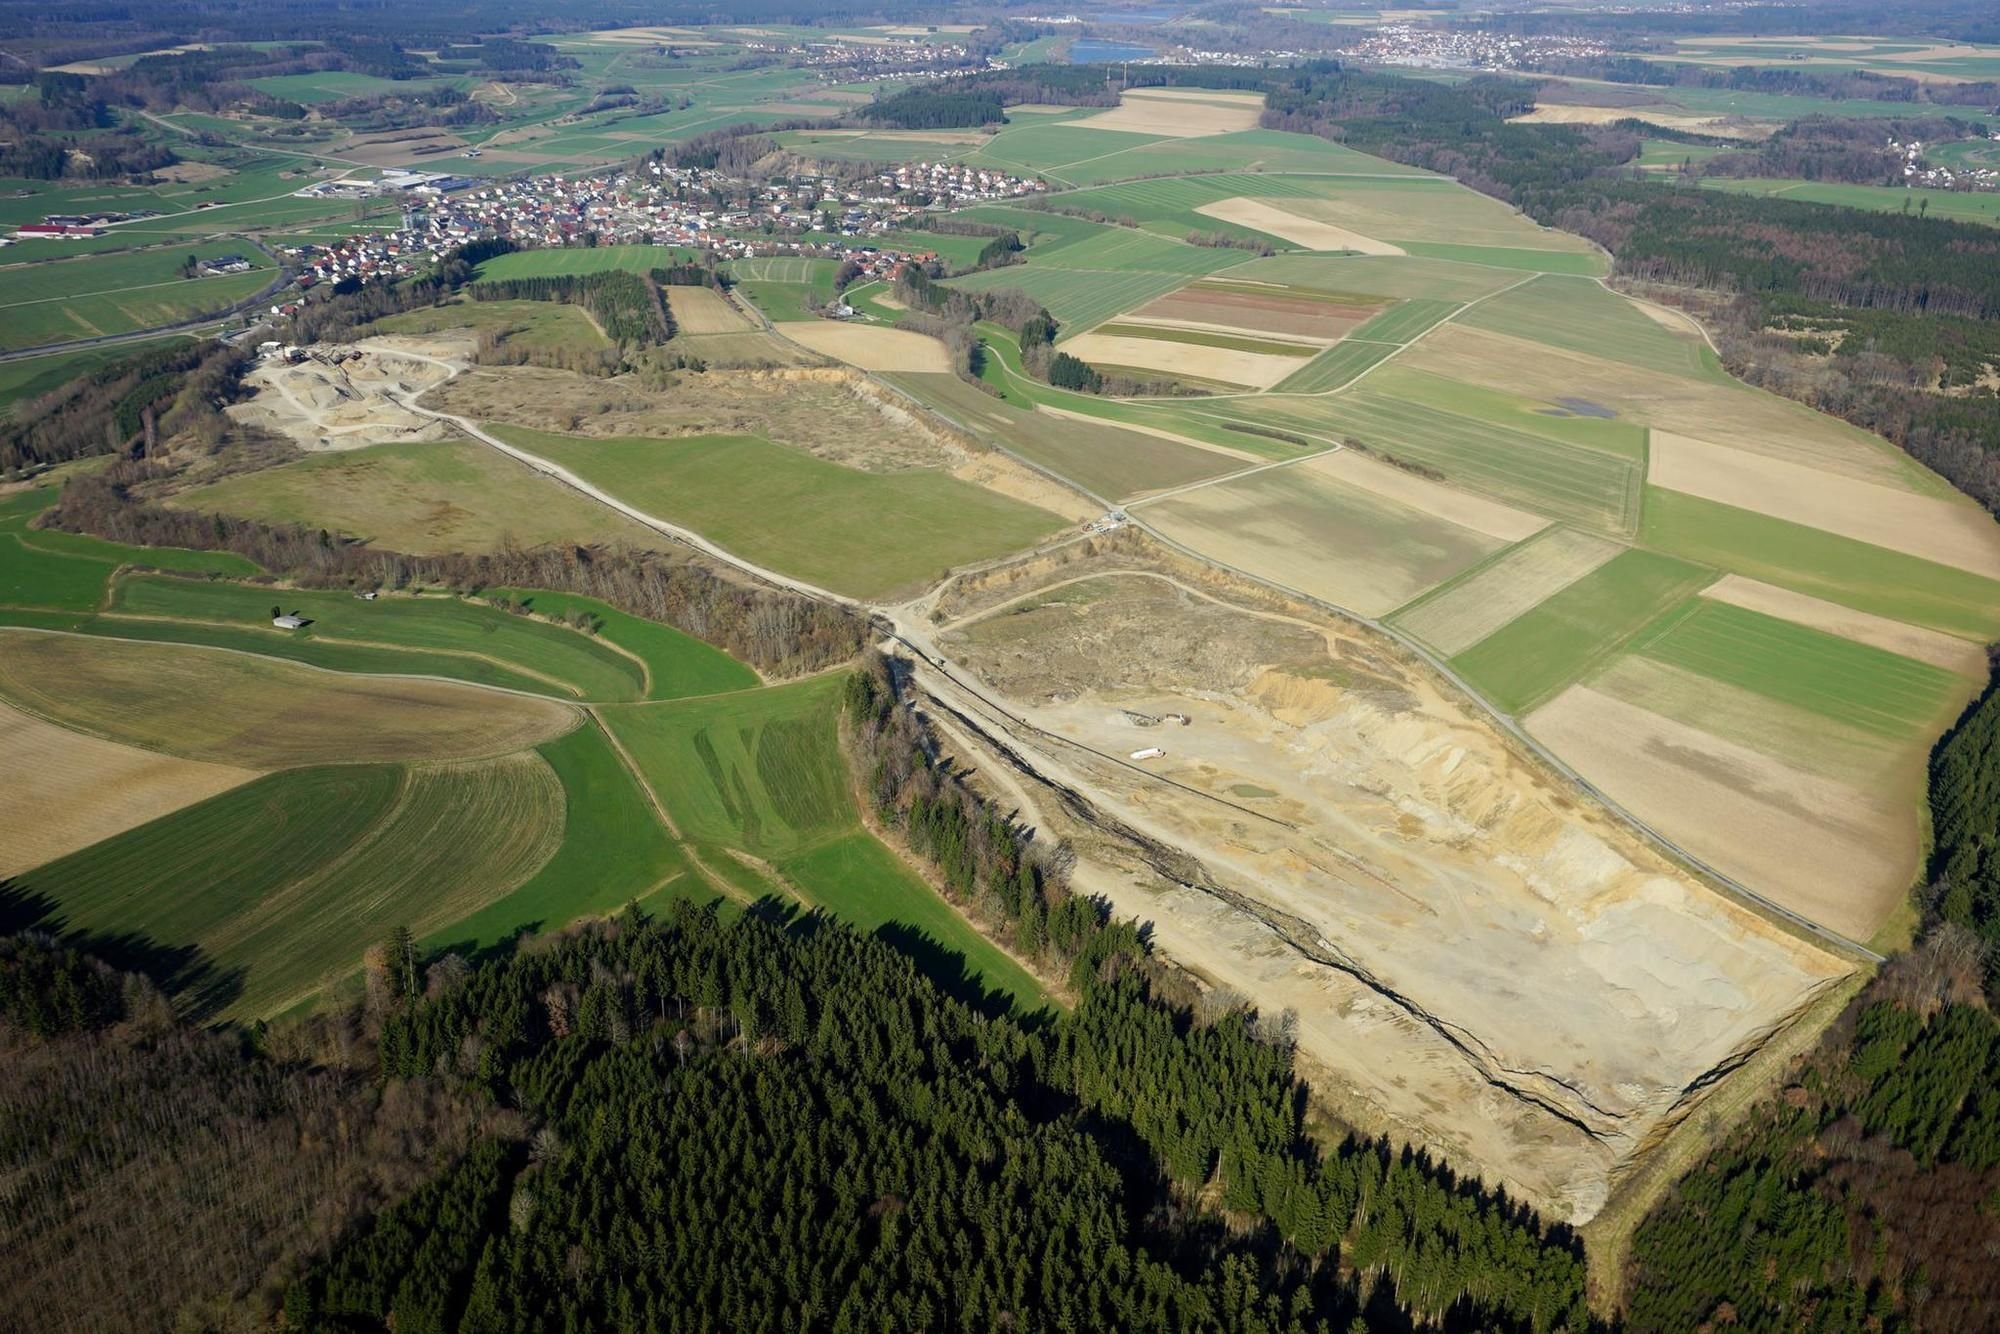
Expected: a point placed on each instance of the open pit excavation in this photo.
(346, 396)
(1479, 959)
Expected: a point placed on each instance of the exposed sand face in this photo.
(1258, 370)
(869, 346)
(1958, 535)
(346, 402)
(1507, 589)
(1454, 506)
(1477, 960)
(1931, 646)
(1308, 232)
(1817, 846)
(85, 789)
(1177, 113)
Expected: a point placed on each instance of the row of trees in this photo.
(1965, 830)
(779, 632)
(153, 394)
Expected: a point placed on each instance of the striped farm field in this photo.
(567, 260)
(1461, 614)
(1568, 635)
(779, 269)
(1335, 367)
(1581, 315)
(554, 659)
(257, 712)
(1206, 338)
(1585, 486)
(302, 871)
(1122, 248)
(1405, 320)
(1078, 298)
(1853, 683)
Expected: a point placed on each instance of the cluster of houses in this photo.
(949, 185)
(1916, 171)
(1422, 47)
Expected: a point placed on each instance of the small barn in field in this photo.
(288, 622)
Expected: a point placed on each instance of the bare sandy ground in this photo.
(1509, 588)
(1308, 232)
(82, 789)
(1434, 498)
(869, 346)
(1177, 113)
(343, 401)
(1257, 370)
(1478, 960)
(1817, 846)
(1959, 535)
(1932, 646)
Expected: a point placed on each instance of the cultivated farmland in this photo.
(423, 498)
(1461, 614)
(784, 508)
(250, 711)
(1304, 529)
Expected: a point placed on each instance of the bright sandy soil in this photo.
(1434, 498)
(1934, 647)
(1177, 113)
(1817, 846)
(703, 310)
(1259, 370)
(1507, 589)
(1478, 960)
(1949, 533)
(869, 346)
(1754, 421)
(1308, 232)
(75, 790)
(1718, 126)
(345, 406)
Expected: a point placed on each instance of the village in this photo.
(811, 213)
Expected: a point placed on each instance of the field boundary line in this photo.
(575, 705)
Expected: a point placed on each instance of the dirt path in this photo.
(667, 527)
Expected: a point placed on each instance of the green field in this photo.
(1576, 263)
(761, 771)
(1544, 474)
(59, 300)
(1378, 276)
(1582, 316)
(283, 883)
(1565, 638)
(861, 882)
(1825, 565)
(613, 850)
(58, 571)
(443, 636)
(1405, 321)
(426, 498)
(865, 534)
(532, 324)
(1840, 679)
(581, 259)
(1333, 368)
(677, 665)
(1113, 463)
(1206, 338)
(782, 286)
(1960, 205)
(1078, 298)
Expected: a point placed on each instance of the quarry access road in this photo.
(666, 527)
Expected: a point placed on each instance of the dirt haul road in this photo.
(1477, 961)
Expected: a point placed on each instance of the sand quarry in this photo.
(344, 397)
(1478, 960)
